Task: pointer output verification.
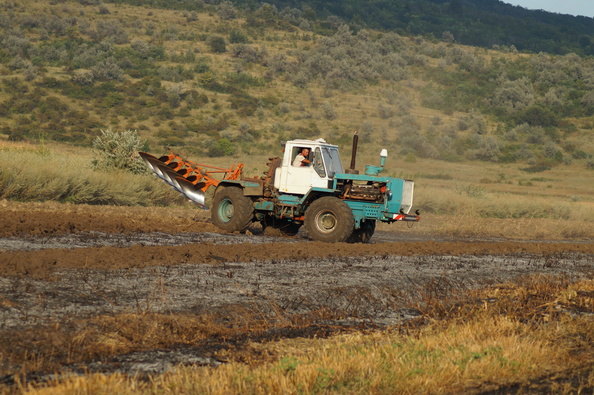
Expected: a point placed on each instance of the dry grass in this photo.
(456, 199)
(534, 334)
(40, 173)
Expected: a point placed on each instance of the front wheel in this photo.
(231, 210)
(330, 220)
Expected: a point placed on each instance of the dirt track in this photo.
(60, 262)
(36, 240)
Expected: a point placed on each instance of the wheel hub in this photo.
(227, 210)
(326, 222)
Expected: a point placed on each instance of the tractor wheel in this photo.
(231, 210)
(329, 219)
(289, 228)
(283, 226)
(364, 233)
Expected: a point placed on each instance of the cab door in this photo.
(300, 179)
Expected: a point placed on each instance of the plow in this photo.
(189, 178)
(307, 186)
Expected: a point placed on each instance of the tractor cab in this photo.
(297, 176)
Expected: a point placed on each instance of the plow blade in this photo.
(161, 170)
(185, 177)
(153, 164)
(192, 192)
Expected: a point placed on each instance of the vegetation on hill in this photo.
(484, 23)
(218, 80)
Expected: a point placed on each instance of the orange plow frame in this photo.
(189, 178)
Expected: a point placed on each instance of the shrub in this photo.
(114, 150)
(515, 95)
(329, 112)
(222, 147)
(537, 116)
(248, 53)
(243, 103)
(108, 70)
(110, 30)
(226, 10)
(83, 77)
(217, 44)
(238, 37)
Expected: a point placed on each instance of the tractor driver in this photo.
(301, 158)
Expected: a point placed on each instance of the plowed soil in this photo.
(121, 237)
(65, 263)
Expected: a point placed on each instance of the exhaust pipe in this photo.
(352, 169)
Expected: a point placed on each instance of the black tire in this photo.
(364, 233)
(330, 220)
(231, 210)
(284, 226)
(289, 228)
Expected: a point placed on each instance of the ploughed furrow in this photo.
(40, 219)
(41, 263)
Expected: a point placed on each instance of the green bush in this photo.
(217, 44)
(222, 147)
(118, 150)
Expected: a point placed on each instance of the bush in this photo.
(217, 44)
(238, 37)
(108, 70)
(248, 53)
(226, 10)
(223, 147)
(114, 150)
(329, 112)
(537, 116)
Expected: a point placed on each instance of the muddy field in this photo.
(61, 264)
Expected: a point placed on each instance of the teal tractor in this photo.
(307, 186)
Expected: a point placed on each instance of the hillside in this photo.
(483, 23)
(217, 80)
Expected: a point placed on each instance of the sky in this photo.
(572, 7)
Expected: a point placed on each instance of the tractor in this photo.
(334, 204)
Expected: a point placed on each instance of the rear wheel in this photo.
(364, 233)
(329, 219)
(231, 210)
